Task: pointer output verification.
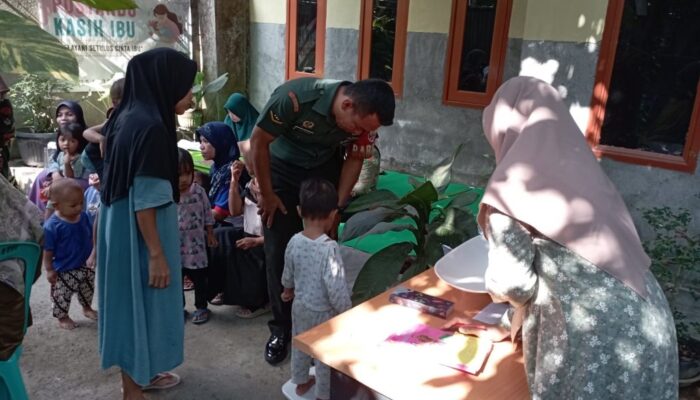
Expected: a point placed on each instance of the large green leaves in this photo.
(380, 272)
(377, 198)
(199, 90)
(362, 222)
(421, 199)
(442, 175)
(25, 48)
(109, 5)
(454, 226)
(217, 84)
(463, 199)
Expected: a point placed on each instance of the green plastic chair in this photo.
(9, 369)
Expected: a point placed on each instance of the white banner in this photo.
(105, 41)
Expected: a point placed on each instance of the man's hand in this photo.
(333, 232)
(158, 271)
(247, 243)
(267, 206)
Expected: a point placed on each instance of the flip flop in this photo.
(245, 313)
(200, 316)
(164, 380)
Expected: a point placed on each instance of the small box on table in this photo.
(420, 301)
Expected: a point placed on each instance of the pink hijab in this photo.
(547, 178)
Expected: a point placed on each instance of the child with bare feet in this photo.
(314, 277)
(67, 246)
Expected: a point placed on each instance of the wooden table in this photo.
(350, 343)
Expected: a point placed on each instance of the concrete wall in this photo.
(554, 40)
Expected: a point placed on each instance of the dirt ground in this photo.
(223, 358)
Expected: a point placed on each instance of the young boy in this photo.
(314, 277)
(67, 245)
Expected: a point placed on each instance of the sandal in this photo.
(217, 300)
(164, 380)
(187, 284)
(245, 313)
(200, 316)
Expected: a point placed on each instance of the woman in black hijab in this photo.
(140, 290)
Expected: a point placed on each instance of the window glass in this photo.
(383, 38)
(306, 35)
(654, 81)
(479, 24)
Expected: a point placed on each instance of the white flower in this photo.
(557, 359)
(589, 388)
(625, 377)
(592, 320)
(629, 310)
(612, 388)
(593, 367)
(540, 388)
(604, 358)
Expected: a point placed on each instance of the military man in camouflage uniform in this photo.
(309, 128)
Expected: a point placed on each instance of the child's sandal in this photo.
(200, 316)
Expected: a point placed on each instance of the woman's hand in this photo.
(158, 271)
(468, 326)
(237, 168)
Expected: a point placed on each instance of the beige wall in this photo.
(268, 11)
(554, 20)
(343, 14)
(557, 20)
(429, 15)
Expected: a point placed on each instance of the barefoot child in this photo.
(314, 277)
(196, 233)
(67, 245)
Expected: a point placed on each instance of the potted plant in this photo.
(192, 118)
(34, 97)
(675, 261)
(432, 216)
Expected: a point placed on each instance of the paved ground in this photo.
(223, 358)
